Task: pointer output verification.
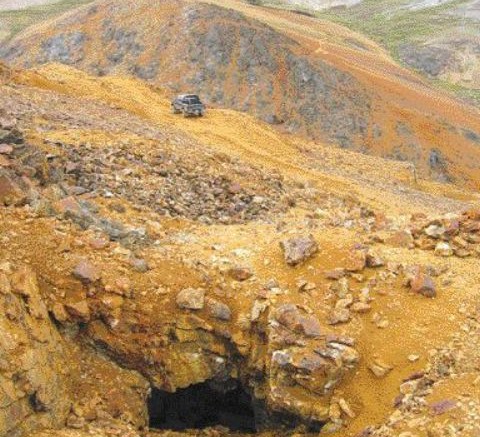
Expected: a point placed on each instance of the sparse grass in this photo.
(391, 24)
(18, 20)
(468, 94)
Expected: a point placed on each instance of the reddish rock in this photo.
(310, 326)
(335, 274)
(356, 261)
(240, 273)
(98, 243)
(234, 188)
(423, 284)
(401, 239)
(68, 204)
(289, 316)
(10, 193)
(219, 310)
(86, 272)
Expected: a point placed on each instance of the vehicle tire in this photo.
(175, 110)
(185, 114)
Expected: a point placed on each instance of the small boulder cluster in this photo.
(450, 235)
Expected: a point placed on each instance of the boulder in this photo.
(219, 310)
(10, 193)
(290, 317)
(86, 272)
(357, 260)
(240, 273)
(422, 283)
(298, 250)
(401, 239)
(443, 249)
(191, 299)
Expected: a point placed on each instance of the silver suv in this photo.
(188, 104)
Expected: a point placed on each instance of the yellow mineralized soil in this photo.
(399, 324)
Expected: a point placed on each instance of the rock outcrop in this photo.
(34, 374)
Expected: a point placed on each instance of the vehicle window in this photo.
(193, 100)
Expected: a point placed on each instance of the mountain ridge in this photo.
(364, 100)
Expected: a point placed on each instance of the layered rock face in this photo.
(34, 375)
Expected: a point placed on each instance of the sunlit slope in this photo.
(241, 136)
(306, 76)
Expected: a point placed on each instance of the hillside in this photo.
(17, 15)
(438, 38)
(140, 256)
(235, 274)
(305, 76)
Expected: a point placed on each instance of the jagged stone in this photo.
(10, 192)
(86, 272)
(299, 249)
(423, 284)
(219, 310)
(240, 273)
(380, 369)
(191, 299)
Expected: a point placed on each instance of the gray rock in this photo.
(298, 250)
(191, 299)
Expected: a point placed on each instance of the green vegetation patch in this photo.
(15, 21)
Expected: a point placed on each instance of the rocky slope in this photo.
(144, 254)
(306, 76)
(438, 38)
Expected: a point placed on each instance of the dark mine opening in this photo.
(202, 406)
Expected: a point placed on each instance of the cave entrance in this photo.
(204, 405)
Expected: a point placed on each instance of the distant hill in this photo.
(439, 38)
(17, 15)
